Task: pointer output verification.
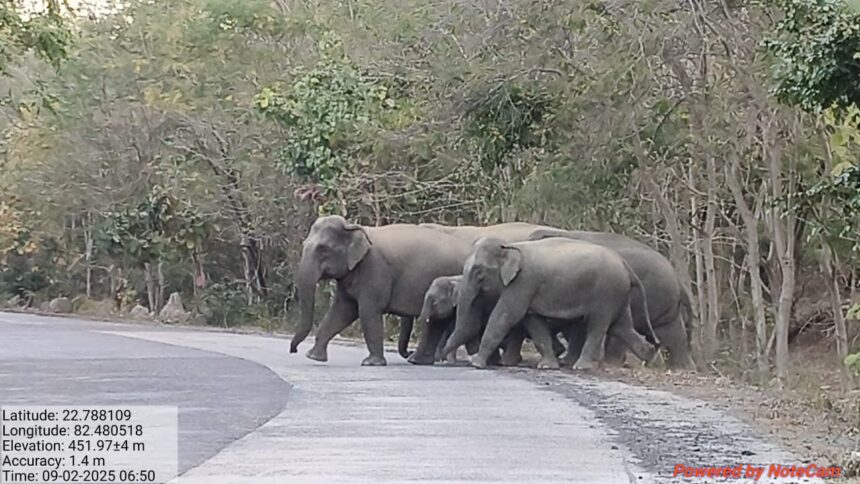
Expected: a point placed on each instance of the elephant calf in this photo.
(556, 279)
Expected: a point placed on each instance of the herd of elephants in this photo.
(489, 288)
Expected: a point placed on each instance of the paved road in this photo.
(53, 361)
(241, 422)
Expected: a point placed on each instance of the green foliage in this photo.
(154, 229)
(324, 110)
(507, 118)
(227, 305)
(852, 361)
(47, 34)
(817, 51)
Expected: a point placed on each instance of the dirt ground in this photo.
(814, 427)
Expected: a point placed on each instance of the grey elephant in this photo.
(553, 279)
(377, 270)
(665, 298)
(440, 303)
(508, 232)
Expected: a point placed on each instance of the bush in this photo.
(226, 304)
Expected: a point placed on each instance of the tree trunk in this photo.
(701, 291)
(753, 264)
(255, 275)
(783, 231)
(150, 288)
(828, 266)
(160, 292)
(88, 258)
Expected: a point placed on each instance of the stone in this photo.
(173, 312)
(45, 307)
(139, 312)
(60, 305)
(14, 301)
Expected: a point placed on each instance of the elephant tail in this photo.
(636, 282)
(406, 323)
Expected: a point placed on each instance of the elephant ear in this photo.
(454, 291)
(511, 261)
(359, 244)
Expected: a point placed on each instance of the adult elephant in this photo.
(377, 270)
(665, 297)
(565, 281)
(508, 232)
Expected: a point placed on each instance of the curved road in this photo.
(241, 422)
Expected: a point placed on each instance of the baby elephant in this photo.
(560, 280)
(440, 304)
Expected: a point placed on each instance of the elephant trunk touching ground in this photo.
(307, 278)
(469, 317)
(406, 324)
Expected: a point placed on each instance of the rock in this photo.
(139, 312)
(14, 301)
(60, 305)
(173, 312)
(45, 307)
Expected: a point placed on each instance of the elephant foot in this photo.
(317, 354)
(583, 364)
(510, 359)
(450, 359)
(548, 364)
(567, 361)
(374, 360)
(407, 354)
(478, 361)
(420, 359)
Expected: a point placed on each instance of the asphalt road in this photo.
(252, 413)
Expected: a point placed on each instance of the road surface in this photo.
(252, 413)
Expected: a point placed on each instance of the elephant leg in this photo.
(508, 312)
(674, 339)
(614, 351)
(425, 354)
(340, 315)
(512, 355)
(592, 348)
(406, 323)
(542, 338)
(575, 339)
(623, 329)
(446, 333)
(472, 345)
(374, 333)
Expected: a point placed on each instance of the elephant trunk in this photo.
(406, 323)
(468, 323)
(307, 279)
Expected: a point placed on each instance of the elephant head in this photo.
(490, 267)
(440, 300)
(332, 249)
